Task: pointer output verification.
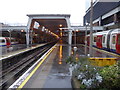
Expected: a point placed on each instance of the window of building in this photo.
(108, 20)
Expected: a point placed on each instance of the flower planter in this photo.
(75, 83)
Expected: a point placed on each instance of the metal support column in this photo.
(70, 37)
(28, 32)
(86, 40)
(70, 31)
(91, 29)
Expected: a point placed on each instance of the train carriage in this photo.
(7, 41)
(114, 41)
(118, 43)
(4, 41)
(108, 40)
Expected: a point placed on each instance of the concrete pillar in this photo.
(28, 32)
(70, 31)
(70, 37)
(69, 50)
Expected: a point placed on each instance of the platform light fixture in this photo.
(22, 30)
(77, 30)
(60, 25)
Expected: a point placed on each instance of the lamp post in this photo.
(75, 47)
(75, 37)
(86, 38)
(91, 29)
(60, 30)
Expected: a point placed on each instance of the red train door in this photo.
(7, 42)
(118, 44)
(99, 41)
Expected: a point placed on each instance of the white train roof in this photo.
(106, 32)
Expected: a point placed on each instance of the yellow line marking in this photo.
(103, 58)
(25, 81)
(105, 51)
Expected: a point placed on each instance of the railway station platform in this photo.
(13, 52)
(51, 70)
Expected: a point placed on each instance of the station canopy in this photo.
(52, 22)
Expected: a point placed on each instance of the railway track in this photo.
(11, 72)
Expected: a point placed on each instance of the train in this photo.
(107, 40)
(7, 41)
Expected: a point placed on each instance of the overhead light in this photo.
(77, 30)
(60, 25)
(22, 30)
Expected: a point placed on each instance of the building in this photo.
(105, 14)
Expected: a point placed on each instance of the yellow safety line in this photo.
(103, 58)
(25, 81)
(107, 52)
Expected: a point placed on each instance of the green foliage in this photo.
(70, 60)
(111, 76)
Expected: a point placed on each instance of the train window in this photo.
(95, 39)
(103, 39)
(2, 41)
(99, 39)
(113, 40)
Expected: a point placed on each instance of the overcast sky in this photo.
(14, 11)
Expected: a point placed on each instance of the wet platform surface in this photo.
(54, 73)
(95, 52)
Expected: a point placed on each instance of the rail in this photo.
(17, 64)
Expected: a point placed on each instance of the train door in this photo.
(113, 42)
(104, 41)
(99, 41)
(94, 40)
(118, 44)
(7, 42)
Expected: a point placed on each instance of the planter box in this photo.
(75, 83)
